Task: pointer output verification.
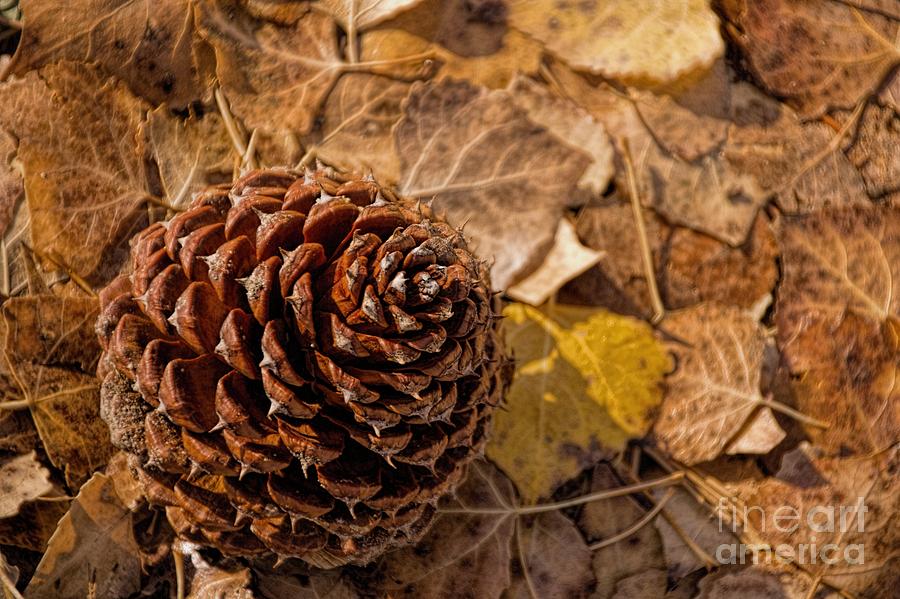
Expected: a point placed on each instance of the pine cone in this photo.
(300, 366)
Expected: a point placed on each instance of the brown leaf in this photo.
(601, 520)
(299, 582)
(214, 582)
(757, 581)
(818, 55)
(357, 15)
(148, 45)
(469, 547)
(84, 174)
(482, 161)
(837, 316)
(871, 150)
(191, 153)
(92, 551)
(34, 525)
(715, 386)
(271, 74)
(22, 479)
(11, 186)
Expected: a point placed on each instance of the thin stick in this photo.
(646, 518)
(237, 139)
(162, 203)
(179, 573)
(659, 311)
(248, 160)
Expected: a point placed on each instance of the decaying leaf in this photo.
(303, 583)
(566, 260)
(32, 528)
(357, 15)
(212, 582)
(92, 551)
(778, 582)
(12, 189)
(484, 161)
(760, 434)
(716, 384)
(22, 479)
(148, 45)
(471, 547)
(621, 39)
(820, 55)
(871, 150)
(586, 381)
(84, 174)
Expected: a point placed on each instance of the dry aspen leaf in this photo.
(761, 433)
(22, 479)
(218, 582)
(190, 153)
(358, 15)
(572, 125)
(819, 55)
(629, 557)
(17, 432)
(357, 122)
(873, 150)
(760, 581)
(300, 582)
(566, 260)
(708, 194)
(271, 74)
(586, 381)
(34, 525)
(553, 559)
(637, 41)
(84, 173)
(11, 186)
(92, 551)
(472, 547)
(482, 160)
(837, 314)
(284, 12)
(147, 44)
(649, 583)
(714, 389)
(890, 92)
(850, 503)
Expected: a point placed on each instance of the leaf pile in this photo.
(692, 209)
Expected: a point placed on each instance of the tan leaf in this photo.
(191, 153)
(837, 314)
(758, 581)
(483, 160)
(12, 189)
(213, 582)
(566, 260)
(34, 525)
(571, 125)
(872, 150)
(649, 583)
(601, 520)
(715, 386)
(22, 479)
(357, 15)
(760, 435)
(357, 125)
(147, 44)
(272, 74)
(820, 55)
(84, 172)
(470, 547)
(297, 582)
(92, 551)
(638, 41)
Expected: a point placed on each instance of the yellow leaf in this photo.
(587, 381)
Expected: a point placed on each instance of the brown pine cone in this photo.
(300, 366)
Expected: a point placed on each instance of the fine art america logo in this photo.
(822, 528)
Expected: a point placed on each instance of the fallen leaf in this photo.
(763, 581)
(284, 12)
(715, 387)
(566, 260)
(827, 55)
(190, 153)
(148, 45)
(586, 381)
(34, 525)
(649, 583)
(870, 150)
(640, 552)
(214, 582)
(17, 432)
(462, 546)
(483, 161)
(271, 74)
(358, 15)
(22, 479)
(12, 189)
(837, 313)
(554, 561)
(303, 583)
(84, 172)
(640, 41)
(92, 551)
(760, 435)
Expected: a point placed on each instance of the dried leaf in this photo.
(305, 583)
(871, 150)
(12, 189)
(22, 479)
(212, 582)
(715, 388)
(824, 55)
(92, 551)
(566, 260)
(649, 583)
(148, 45)
(84, 174)
(758, 581)
(271, 74)
(191, 153)
(34, 525)
(357, 15)
(586, 382)
(760, 435)
(469, 547)
(635, 41)
(482, 160)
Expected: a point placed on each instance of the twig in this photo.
(648, 517)
(237, 138)
(248, 160)
(161, 203)
(179, 572)
(659, 310)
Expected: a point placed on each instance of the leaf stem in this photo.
(799, 416)
(639, 524)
